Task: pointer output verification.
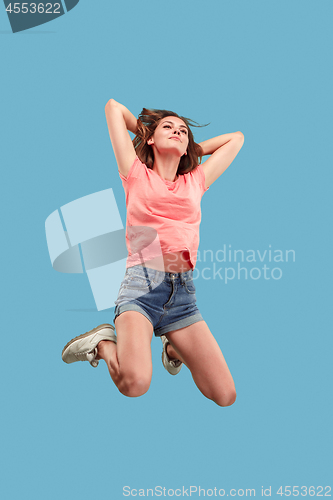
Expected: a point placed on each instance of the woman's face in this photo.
(171, 134)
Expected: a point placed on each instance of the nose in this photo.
(176, 131)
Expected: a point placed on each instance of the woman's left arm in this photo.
(223, 150)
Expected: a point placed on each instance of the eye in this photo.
(166, 126)
(184, 131)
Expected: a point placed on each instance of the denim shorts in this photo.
(167, 300)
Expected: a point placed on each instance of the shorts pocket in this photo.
(133, 282)
(189, 286)
(132, 289)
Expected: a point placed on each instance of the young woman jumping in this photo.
(163, 181)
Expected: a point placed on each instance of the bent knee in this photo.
(226, 398)
(134, 385)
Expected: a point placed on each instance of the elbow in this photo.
(240, 136)
(240, 139)
(110, 103)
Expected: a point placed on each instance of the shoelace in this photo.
(88, 356)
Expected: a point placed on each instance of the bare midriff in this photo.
(175, 262)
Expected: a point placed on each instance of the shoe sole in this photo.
(84, 335)
(173, 370)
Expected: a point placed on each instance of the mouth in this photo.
(175, 138)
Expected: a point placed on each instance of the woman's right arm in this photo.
(120, 120)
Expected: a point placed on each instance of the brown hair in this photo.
(147, 123)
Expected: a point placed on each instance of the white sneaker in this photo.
(84, 347)
(173, 366)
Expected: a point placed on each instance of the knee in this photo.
(134, 385)
(226, 398)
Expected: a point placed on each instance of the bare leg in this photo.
(129, 361)
(199, 351)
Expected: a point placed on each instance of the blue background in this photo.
(258, 66)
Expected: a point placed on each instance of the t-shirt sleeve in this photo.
(201, 178)
(134, 171)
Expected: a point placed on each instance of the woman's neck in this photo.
(166, 166)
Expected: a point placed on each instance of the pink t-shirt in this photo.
(162, 216)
